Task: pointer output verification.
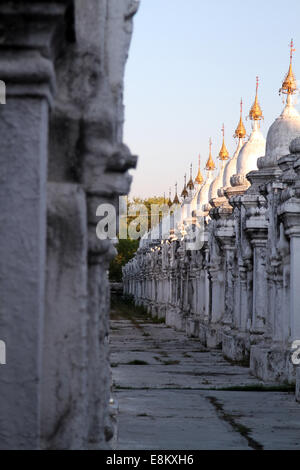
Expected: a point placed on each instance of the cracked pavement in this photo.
(172, 393)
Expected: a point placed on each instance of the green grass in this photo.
(137, 362)
(165, 362)
(244, 363)
(171, 363)
(163, 353)
(243, 430)
(259, 388)
(126, 309)
(157, 320)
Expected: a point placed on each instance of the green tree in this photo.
(126, 247)
(159, 200)
(126, 251)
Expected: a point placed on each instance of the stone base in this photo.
(149, 308)
(116, 288)
(272, 364)
(192, 327)
(210, 336)
(236, 346)
(156, 310)
(298, 384)
(113, 413)
(161, 312)
(202, 334)
(152, 309)
(213, 336)
(145, 303)
(176, 319)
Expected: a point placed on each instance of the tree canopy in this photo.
(127, 247)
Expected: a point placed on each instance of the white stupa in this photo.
(218, 181)
(254, 148)
(230, 167)
(198, 183)
(286, 127)
(203, 193)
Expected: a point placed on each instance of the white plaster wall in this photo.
(64, 379)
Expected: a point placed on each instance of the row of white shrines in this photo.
(240, 291)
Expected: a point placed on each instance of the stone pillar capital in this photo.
(257, 230)
(290, 213)
(27, 74)
(32, 24)
(30, 35)
(259, 242)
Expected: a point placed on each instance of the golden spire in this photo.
(255, 111)
(240, 131)
(184, 193)
(176, 200)
(169, 200)
(210, 163)
(190, 184)
(289, 85)
(199, 177)
(223, 155)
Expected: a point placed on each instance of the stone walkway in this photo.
(174, 394)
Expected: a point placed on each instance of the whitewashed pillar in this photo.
(29, 79)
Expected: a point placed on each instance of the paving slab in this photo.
(173, 393)
(172, 419)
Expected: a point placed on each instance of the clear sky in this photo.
(190, 62)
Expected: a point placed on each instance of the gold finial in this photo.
(169, 199)
(190, 184)
(240, 131)
(289, 85)
(210, 163)
(223, 155)
(176, 200)
(199, 177)
(184, 193)
(255, 111)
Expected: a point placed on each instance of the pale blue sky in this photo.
(190, 62)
